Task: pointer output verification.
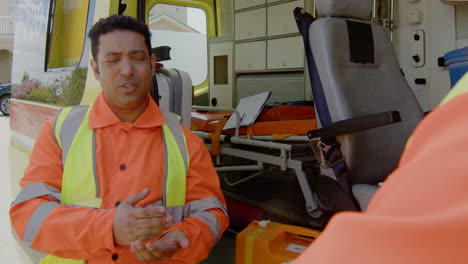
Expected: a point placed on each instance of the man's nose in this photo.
(126, 67)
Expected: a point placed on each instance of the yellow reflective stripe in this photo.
(408, 142)
(59, 122)
(56, 260)
(249, 241)
(459, 88)
(78, 183)
(176, 174)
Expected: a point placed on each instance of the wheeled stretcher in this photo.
(282, 144)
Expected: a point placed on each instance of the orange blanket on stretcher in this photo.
(279, 121)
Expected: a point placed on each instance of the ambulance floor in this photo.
(275, 196)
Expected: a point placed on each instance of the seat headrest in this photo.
(360, 9)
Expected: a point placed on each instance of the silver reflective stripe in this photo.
(82, 206)
(55, 125)
(70, 126)
(198, 209)
(212, 222)
(34, 256)
(202, 205)
(173, 122)
(36, 220)
(177, 213)
(35, 190)
(96, 179)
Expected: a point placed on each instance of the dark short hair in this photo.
(117, 22)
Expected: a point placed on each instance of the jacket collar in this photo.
(102, 116)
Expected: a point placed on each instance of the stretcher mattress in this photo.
(279, 120)
(200, 120)
(288, 127)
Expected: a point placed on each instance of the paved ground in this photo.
(7, 244)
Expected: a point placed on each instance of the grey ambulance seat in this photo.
(175, 92)
(361, 76)
(173, 87)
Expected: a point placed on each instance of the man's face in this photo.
(124, 68)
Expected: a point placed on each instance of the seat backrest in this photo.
(175, 92)
(172, 88)
(361, 76)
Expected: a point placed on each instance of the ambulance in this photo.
(230, 49)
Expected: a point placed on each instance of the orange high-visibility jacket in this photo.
(420, 214)
(130, 158)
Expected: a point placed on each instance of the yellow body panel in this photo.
(103, 7)
(67, 42)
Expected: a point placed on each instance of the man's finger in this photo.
(169, 243)
(150, 222)
(141, 253)
(134, 199)
(147, 234)
(150, 211)
(136, 253)
(145, 237)
(183, 242)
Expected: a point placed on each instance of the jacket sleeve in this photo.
(207, 219)
(42, 223)
(419, 215)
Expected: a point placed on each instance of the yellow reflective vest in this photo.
(80, 185)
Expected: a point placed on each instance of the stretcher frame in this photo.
(284, 160)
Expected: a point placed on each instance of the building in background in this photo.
(184, 30)
(7, 28)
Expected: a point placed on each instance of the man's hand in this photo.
(161, 249)
(139, 223)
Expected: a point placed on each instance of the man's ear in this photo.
(95, 67)
(153, 63)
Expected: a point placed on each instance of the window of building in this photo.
(184, 30)
(11, 7)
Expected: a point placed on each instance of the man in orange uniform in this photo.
(130, 225)
(420, 214)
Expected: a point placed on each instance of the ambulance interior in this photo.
(358, 79)
(400, 70)
(380, 65)
(303, 118)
